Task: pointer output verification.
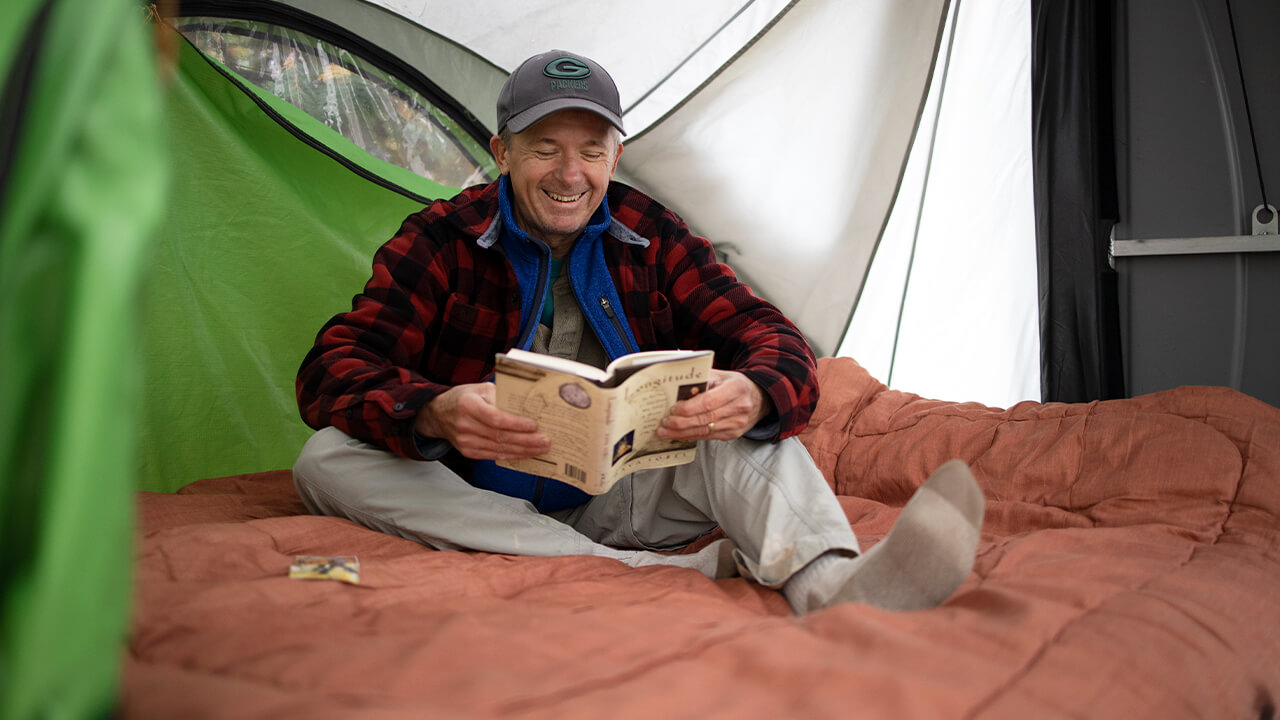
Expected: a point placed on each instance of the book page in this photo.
(614, 374)
(571, 411)
(559, 364)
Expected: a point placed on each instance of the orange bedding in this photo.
(1130, 567)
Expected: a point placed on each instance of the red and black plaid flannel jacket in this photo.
(438, 307)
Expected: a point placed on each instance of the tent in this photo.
(817, 288)
(162, 348)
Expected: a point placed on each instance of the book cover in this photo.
(602, 423)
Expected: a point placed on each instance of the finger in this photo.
(725, 408)
(728, 407)
(741, 399)
(500, 444)
(725, 411)
(521, 433)
(704, 406)
(686, 423)
(726, 428)
(479, 407)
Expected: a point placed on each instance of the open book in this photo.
(602, 424)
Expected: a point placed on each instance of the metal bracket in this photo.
(1265, 238)
(1261, 226)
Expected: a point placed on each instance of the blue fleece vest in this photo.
(593, 286)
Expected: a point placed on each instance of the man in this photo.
(558, 258)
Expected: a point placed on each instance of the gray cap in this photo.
(555, 81)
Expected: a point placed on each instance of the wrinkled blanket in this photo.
(1130, 567)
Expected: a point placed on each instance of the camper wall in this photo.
(1196, 100)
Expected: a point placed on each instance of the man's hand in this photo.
(467, 417)
(732, 405)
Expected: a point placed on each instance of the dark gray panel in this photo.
(1187, 170)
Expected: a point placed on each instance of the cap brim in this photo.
(523, 120)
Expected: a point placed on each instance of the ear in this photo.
(616, 156)
(499, 150)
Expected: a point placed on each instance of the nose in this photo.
(570, 169)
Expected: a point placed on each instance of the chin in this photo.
(567, 227)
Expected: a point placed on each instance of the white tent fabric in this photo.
(657, 52)
(790, 159)
(958, 318)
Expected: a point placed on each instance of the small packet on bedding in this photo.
(343, 568)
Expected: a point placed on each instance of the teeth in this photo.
(563, 198)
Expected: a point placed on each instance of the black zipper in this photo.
(540, 293)
(617, 324)
(537, 490)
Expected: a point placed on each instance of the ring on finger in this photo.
(711, 427)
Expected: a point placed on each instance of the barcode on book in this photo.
(575, 472)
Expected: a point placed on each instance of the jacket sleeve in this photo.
(361, 375)
(712, 309)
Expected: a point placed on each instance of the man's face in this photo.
(559, 170)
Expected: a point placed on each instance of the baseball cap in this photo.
(555, 81)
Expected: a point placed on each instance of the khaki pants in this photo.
(771, 500)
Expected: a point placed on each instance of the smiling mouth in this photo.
(563, 198)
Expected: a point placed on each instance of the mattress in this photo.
(1129, 567)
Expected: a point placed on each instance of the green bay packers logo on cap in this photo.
(567, 73)
(565, 68)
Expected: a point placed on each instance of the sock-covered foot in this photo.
(715, 560)
(927, 554)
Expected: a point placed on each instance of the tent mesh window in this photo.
(373, 109)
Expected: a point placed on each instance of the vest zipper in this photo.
(538, 486)
(539, 294)
(617, 324)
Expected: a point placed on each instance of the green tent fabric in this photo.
(169, 245)
(81, 192)
(270, 230)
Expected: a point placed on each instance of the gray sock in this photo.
(715, 560)
(927, 554)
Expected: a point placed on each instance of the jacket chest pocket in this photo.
(660, 324)
(467, 339)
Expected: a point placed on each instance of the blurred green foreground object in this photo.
(82, 178)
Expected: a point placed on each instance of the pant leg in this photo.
(771, 499)
(423, 501)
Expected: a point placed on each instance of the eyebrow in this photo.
(551, 141)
